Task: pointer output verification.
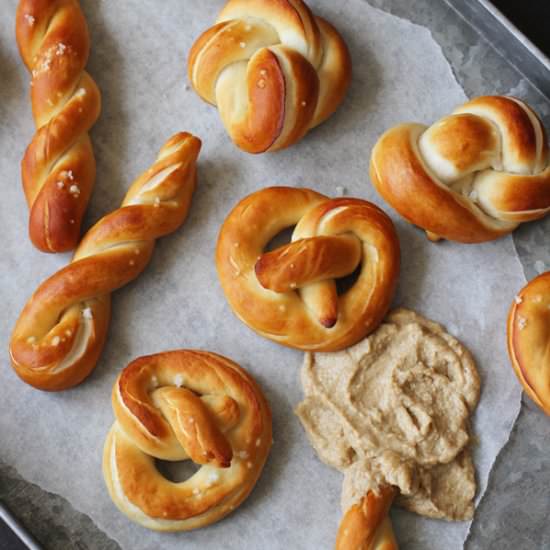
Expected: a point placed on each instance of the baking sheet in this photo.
(139, 62)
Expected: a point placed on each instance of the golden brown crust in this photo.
(529, 337)
(60, 333)
(470, 177)
(273, 69)
(58, 169)
(314, 317)
(366, 525)
(140, 399)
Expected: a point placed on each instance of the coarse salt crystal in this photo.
(56, 340)
(242, 454)
(31, 339)
(196, 491)
(60, 49)
(30, 19)
(263, 72)
(522, 323)
(340, 190)
(74, 190)
(518, 299)
(261, 83)
(258, 442)
(60, 184)
(178, 380)
(87, 313)
(242, 44)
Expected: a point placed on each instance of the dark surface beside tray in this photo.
(532, 17)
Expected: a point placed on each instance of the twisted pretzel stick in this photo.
(60, 333)
(366, 525)
(58, 169)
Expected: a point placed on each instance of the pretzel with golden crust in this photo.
(273, 69)
(529, 337)
(472, 176)
(185, 405)
(366, 525)
(58, 169)
(289, 295)
(60, 333)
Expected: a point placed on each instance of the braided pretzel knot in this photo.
(60, 333)
(472, 176)
(289, 295)
(528, 336)
(366, 525)
(185, 405)
(58, 169)
(273, 69)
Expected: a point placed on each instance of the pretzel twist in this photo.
(290, 295)
(184, 405)
(528, 337)
(366, 525)
(58, 169)
(472, 176)
(273, 69)
(60, 333)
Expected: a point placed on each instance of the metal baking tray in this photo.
(21, 539)
(505, 37)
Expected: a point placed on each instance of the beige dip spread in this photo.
(394, 409)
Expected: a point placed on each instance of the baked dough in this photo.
(394, 410)
(273, 69)
(470, 177)
(185, 405)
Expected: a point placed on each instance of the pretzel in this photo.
(273, 69)
(58, 169)
(289, 295)
(184, 405)
(366, 525)
(60, 333)
(528, 323)
(472, 176)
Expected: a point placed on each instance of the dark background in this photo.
(532, 17)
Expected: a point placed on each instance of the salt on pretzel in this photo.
(366, 525)
(529, 337)
(58, 169)
(289, 295)
(184, 405)
(273, 69)
(472, 176)
(61, 331)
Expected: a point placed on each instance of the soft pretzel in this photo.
(185, 405)
(528, 337)
(60, 333)
(58, 169)
(273, 69)
(366, 525)
(472, 176)
(290, 295)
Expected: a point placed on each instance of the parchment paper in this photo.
(139, 52)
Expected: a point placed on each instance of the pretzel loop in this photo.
(472, 176)
(273, 69)
(61, 331)
(290, 294)
(58, 169)
(185, 405)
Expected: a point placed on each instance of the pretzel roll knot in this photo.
(290, 294)
(61, 331)
(273, 69)
(185, 405)
(366, 525)
(472, 176)
(58, 168)
(529, 337)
